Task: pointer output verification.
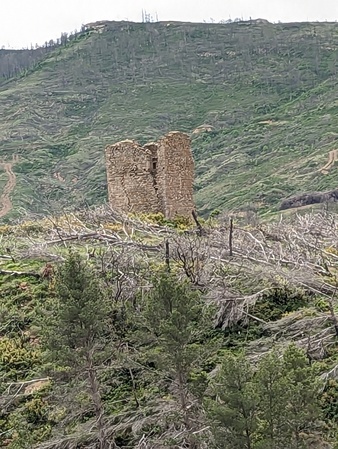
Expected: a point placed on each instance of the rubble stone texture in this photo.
(157, 177)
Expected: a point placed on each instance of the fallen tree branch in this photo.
(112, 239)
(21, 273)
(32, 381)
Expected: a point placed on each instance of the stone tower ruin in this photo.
(157, 177)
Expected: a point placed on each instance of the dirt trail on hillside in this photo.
(333, 157)
(5, 201)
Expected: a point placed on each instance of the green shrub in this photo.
(16, 358)
(329, 400)
(274, 303)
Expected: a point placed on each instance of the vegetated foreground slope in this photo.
(278, 287)
(269, 91)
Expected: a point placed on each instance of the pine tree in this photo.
(234, 412)
(271, 407)
(177, 319)
(302, 403)
(76, 327)
(272, 386)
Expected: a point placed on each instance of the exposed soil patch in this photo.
(5, 201)
(333, 157)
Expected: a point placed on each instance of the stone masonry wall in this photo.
(157, 177)
(130, 178)
(176, 175)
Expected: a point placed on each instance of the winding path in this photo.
(5, 201)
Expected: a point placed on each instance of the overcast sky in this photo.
(26, 22)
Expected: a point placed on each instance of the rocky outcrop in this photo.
(306, 199)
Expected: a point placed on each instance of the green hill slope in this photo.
(139, 81)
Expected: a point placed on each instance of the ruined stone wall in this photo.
(176, 174)
(155, 178)
(130, 178)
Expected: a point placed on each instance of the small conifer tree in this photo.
(272, 406)
(271, 387)
(75, 331)
(177, 319)
(302, 396)
(234, 412)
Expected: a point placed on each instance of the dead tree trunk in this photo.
(198, 224)
(231, 231)
(332, 313)
(167, 255)
(188, 422)
(94, 391)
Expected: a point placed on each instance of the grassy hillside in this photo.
(269, 91)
